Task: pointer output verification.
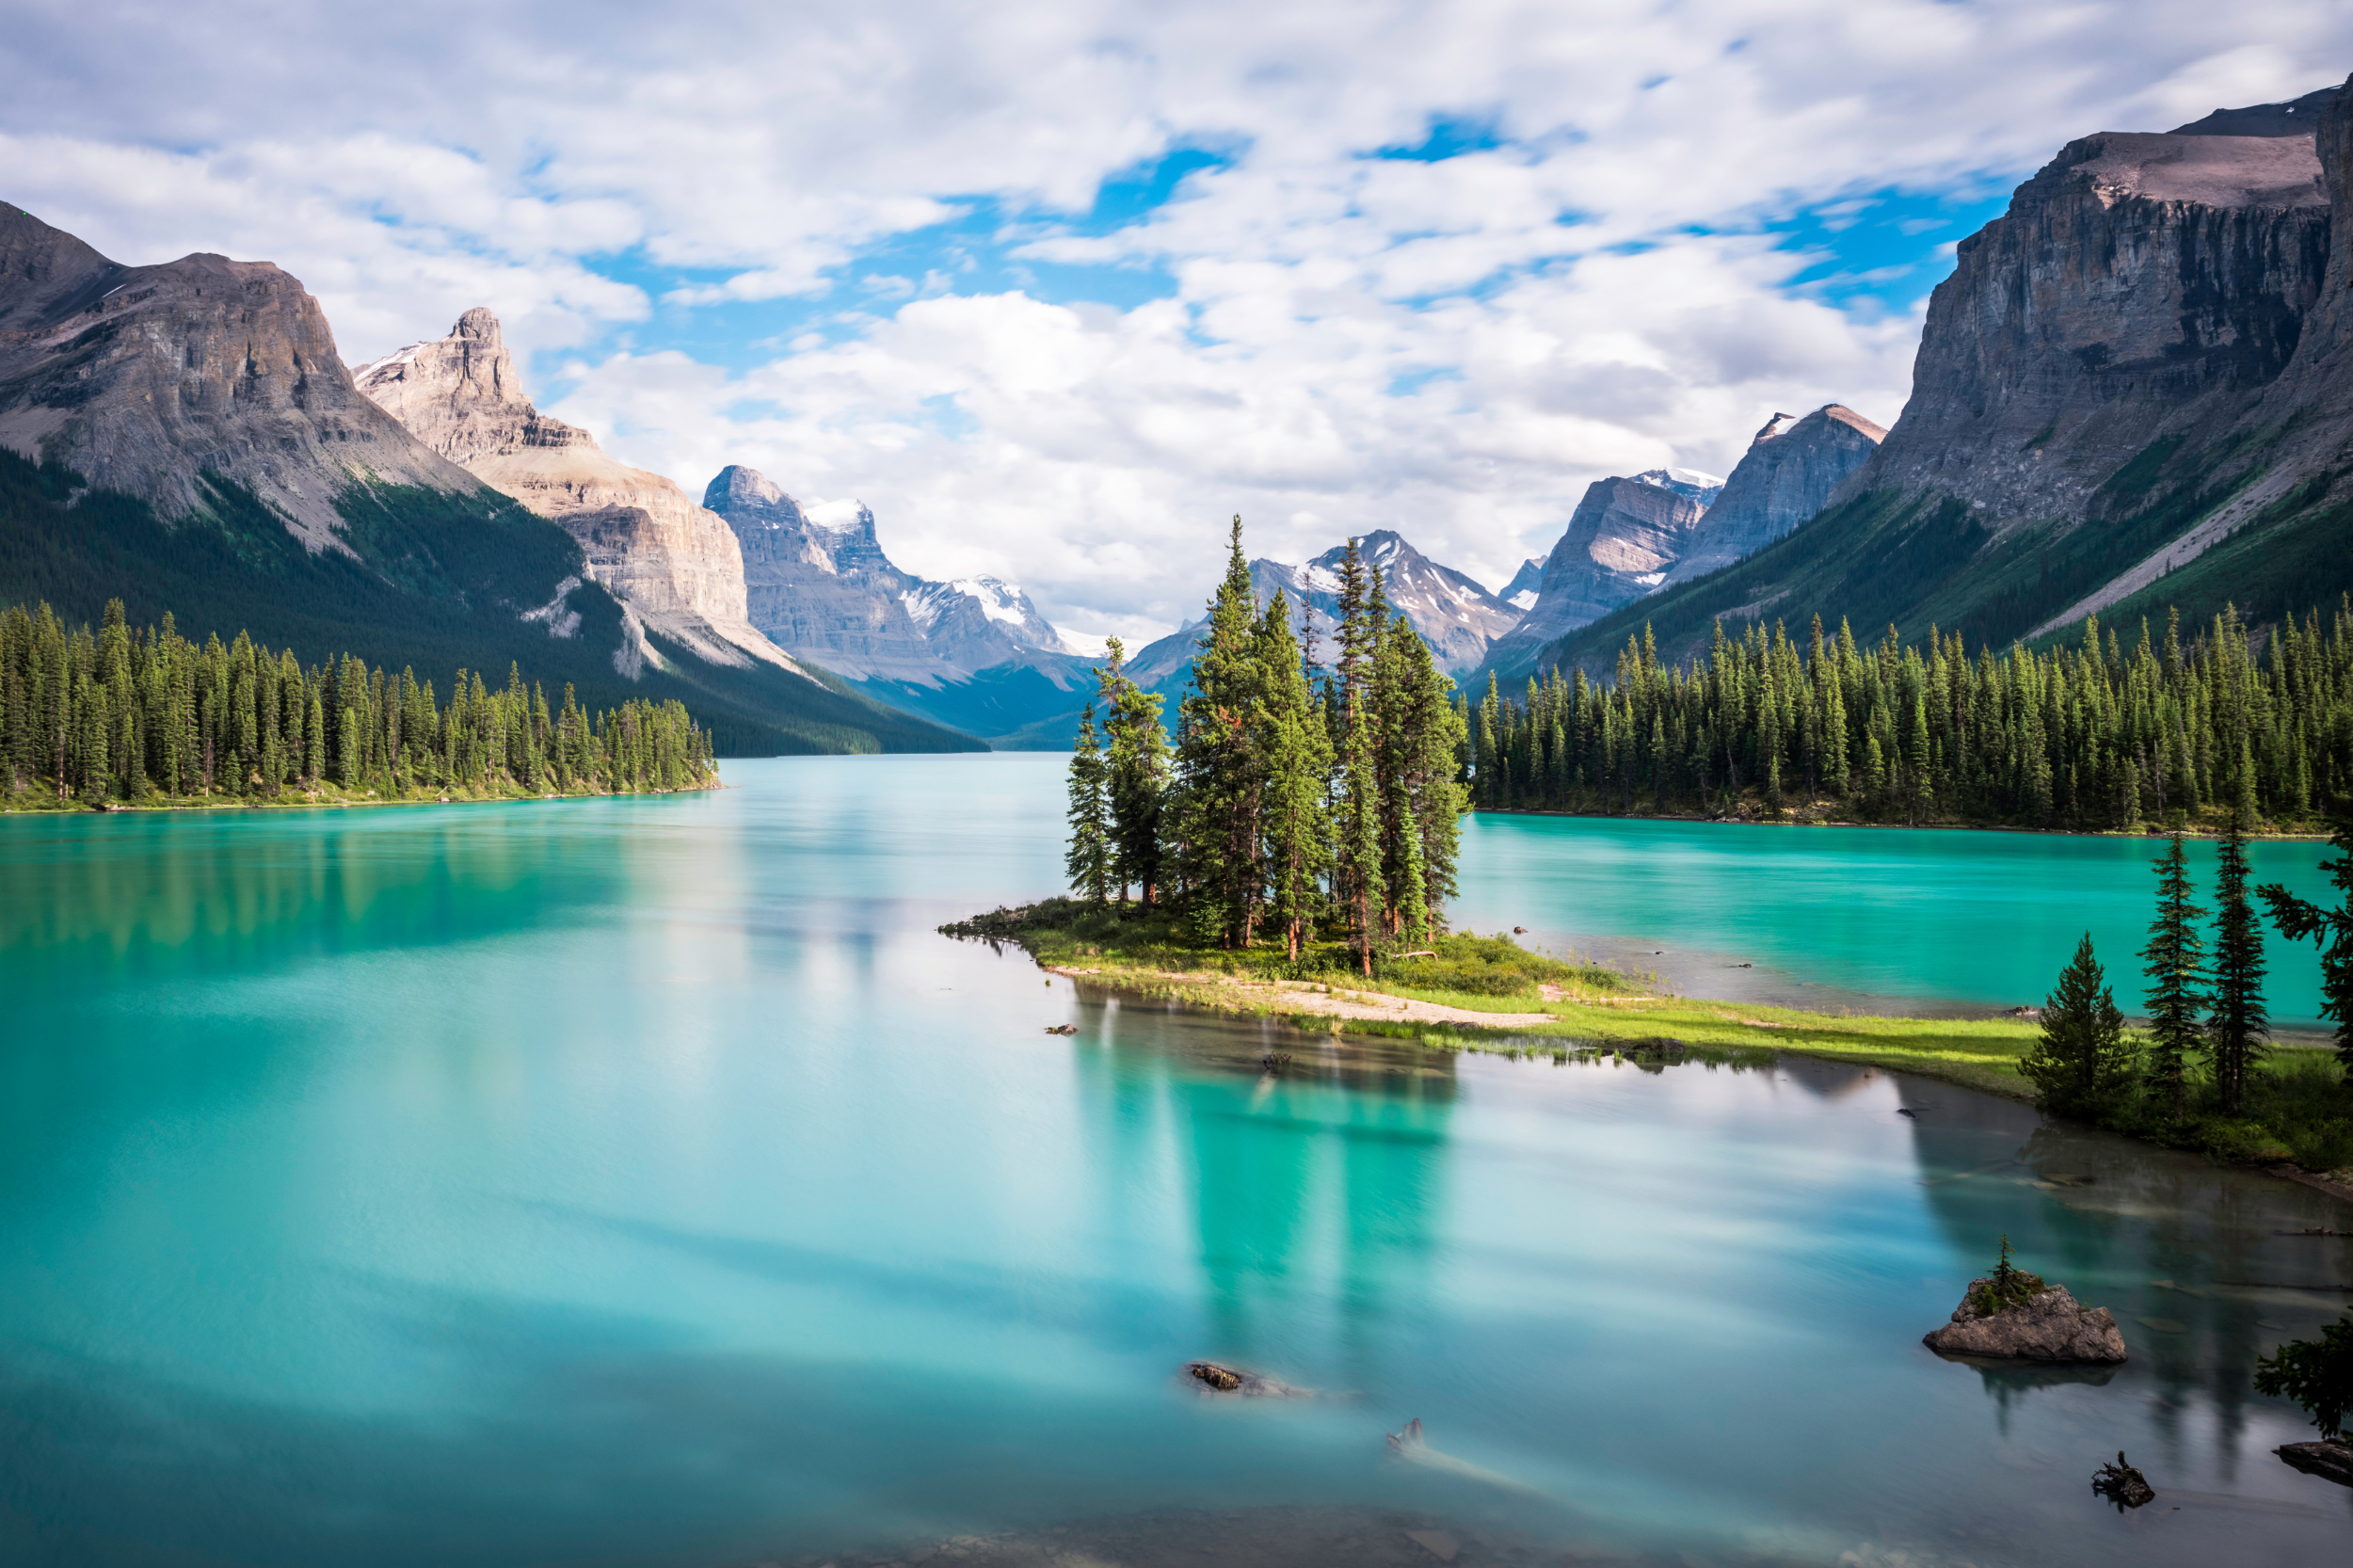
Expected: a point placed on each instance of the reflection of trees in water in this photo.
(2145, 1232)
(1318, 1194)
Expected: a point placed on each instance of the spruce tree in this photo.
(1136, 776)
(2332, 928)
(1088, 860)
(1298, 824)
(2082, 1064)
(2238, 1024)
(2175, 965)
(1220, 765)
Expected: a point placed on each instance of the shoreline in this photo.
(319, 803)
(1793, 820)
(1640, 1025)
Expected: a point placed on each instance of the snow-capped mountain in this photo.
(1688, 483)
(1520, 593)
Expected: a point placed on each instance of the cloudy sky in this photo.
(1057, 287)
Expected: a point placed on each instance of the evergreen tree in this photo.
(1298, 824)
(2316, 1374)
(2175, 965)
(2238, 1025)
(1136, 776)
(1221, 764)
(2332, 928)
(1088, 863)
(2082, 1064)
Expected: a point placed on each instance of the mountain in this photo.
(1622, 540)
(184, 437)
(1787, 476)
(973, 653)
(1456, 617)
(2136, 390)
(1687, 483)
(675, 566)
(1520, 593)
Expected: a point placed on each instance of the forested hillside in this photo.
(139, 717)
(2100, 734)
(434, 580)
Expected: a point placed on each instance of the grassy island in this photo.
(1488, 993)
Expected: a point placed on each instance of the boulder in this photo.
(2330, 1460)
(2049, 1325)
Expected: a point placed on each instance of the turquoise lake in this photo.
(641, 1182)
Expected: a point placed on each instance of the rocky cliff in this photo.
(1520, 593)
(1622, 541)
(673, 565)
(2131, 392)
(1785, 477)
(148, 381)
(826, 590)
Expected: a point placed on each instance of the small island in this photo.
(2010, 1315)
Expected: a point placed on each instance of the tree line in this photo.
(2089, 737)
(1287, 807)
(124, 716)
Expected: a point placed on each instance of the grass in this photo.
(321, 794)
(2298, 1108)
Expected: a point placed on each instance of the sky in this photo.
(1057, 289)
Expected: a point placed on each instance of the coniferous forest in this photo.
(127, 717)
(2101, 735)
(1289, 811)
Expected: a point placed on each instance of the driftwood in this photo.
(2123, 1485)
(1062, 1029)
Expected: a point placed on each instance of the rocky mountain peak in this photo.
(739, 492)
(159, 381)
(1688, 483)
(1520, 593)
(674, 565)
(1785, 477)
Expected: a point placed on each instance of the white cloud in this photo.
(563, 164)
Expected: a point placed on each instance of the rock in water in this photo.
(2330, 1460)
(2050, 1325)
(1233, 1379)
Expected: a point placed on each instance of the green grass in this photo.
(2299, 1106)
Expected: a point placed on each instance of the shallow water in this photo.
(643, 1181)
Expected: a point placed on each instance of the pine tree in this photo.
(1220, 765)
(1088, 863)
(2175, 965)
(2082, 1064)
(1136, 776)
(2332, 928)
(1298, 826)
(2236, 1029)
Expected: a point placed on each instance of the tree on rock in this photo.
(2083, 1064)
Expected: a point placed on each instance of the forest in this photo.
(122, 716)
(2089, 737)
(1298, 811)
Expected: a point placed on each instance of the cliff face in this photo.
(145, 379)
(829, 593)
(1622, 541)
(2139, 283)
(2136, 391)
(1785, 477)
(673, 565)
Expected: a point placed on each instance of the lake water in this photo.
(643, 1182)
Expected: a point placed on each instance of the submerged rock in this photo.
(1233, 1379)
(2048, 1325)
(2331, 1459)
